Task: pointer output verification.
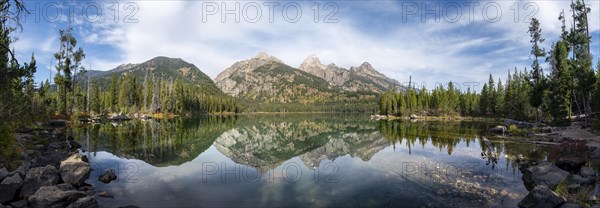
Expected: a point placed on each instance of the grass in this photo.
(513, 130)
(579, 197)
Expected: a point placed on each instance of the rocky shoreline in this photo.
(50, 172)
(568, 177)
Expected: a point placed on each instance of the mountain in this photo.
(363, 77)
(163, 68)
(266, 79)
(266, 144)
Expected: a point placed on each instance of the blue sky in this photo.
(430, 41)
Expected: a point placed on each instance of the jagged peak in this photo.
(366, 65)
(312, 61)
(263, 56)
(312, 58)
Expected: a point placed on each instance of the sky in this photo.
(431, 41)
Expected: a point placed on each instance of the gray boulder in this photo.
(545, 173)
(593, 150)
(3, 173)
(571, 163)
(589, 174)
(38, 177)
(20, 204)
(84, 202)
(570, 205)
(9, 188)
(541, 196)
(53, 196)
(498, 129)
(74, 170)
(108, 176)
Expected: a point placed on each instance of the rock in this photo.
(53, 196)
(570, 205)
(22, 169)
(414, 116)
(3, 173)
(546, 129)
(498, 130)
(105, 194)
(20, 204)
(541, 196)
(594, 195)
(519, 124)
(589, 174)
(86, 188)
(545, 173)
(593, 150)
(108, 176)
(38, 177)
(9, 188)
(130, 206)
(74, 145)
(66, 187)
(577, 179)
(75, 171)
(571, 163)
(378, 117)
(84, 202)
(504, 192)
(440, 192)
(120, 116)
(84, 158)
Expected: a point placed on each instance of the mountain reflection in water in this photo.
(303, 160)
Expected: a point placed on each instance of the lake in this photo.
(307, 160)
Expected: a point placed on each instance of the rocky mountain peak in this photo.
(311, 64)
(366, 68)
(264, 57)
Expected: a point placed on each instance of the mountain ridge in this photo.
(164, 68)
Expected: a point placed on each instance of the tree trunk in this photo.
(577, 103)
(88, 95)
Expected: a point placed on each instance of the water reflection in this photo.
(157, 142)
(306, 160)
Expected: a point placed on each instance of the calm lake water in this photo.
(296, 160)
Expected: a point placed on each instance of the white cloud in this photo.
(463, 51)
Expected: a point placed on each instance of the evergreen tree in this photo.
(560, 82)
(536, 79)
(499, 98)
(68, 60)
(581, 63)
(483, 104)
(113, 93)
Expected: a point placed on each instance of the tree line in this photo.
(570, 88)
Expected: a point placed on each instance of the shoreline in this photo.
(47, 170)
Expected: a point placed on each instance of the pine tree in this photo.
(581, 63)
(536, 79)
(483, 104)
(560, 82)
(113, 93)
(68, 61)
(499, 98)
